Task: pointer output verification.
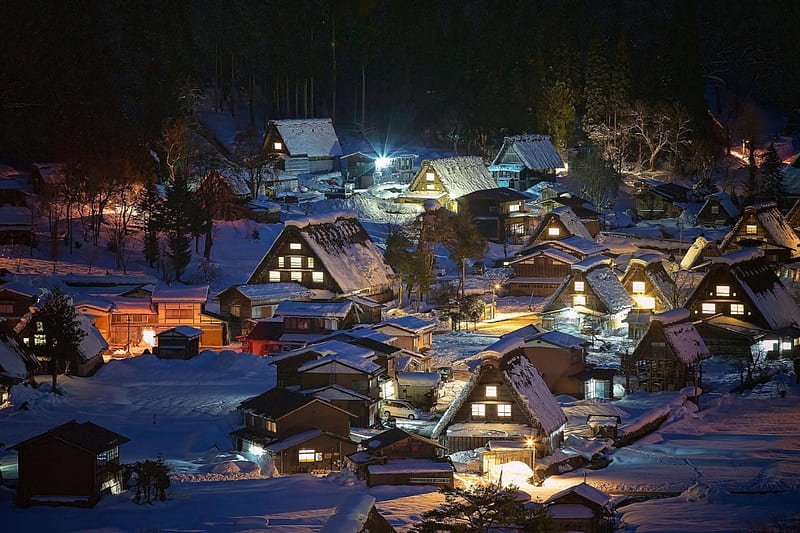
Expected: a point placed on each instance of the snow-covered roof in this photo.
(503, 346)
(314, 309)
(93, 344)
(554, 253)
(606, 285)
(725, 202)
(571, 222)
(535, 151)
(23, 287)
(314, 137)
(592, 262)
(739, 256)
(336, 392)
(410, 466)
(532, 390)
(418, 379)
(675, 315)
(355, 362)
(587, 492)
(51, 172)
(409, 323)
(653, 268)
(270, 292)
(298, 438)
(324, 349)
(573, 243)
(345, 250)
(686, 342)
(237, 185)
(12, 360)
(694, 252)
(139, 306)
(559, 338)
(461, 175)
(184, 331)
(183, 293)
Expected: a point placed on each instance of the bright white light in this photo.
(256, 450)
(382, 162)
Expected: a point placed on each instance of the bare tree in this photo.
(119, 228)
(650, 126)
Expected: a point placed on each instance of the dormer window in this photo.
(638, 287)
(491, 391)
(751, 229)
(430, 176)
(277, 146)
(579, 299)
(553, 232)
(580, 286)
(295, 246)
(723, 290)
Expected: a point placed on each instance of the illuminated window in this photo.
(295, 246)
(737, 309)
(310, 262)
(579, 299)
(281, 261)
(430, 186)
(786, 346)
(751, 229)
(277, 146)
(274, 276)
(579, 286)
(236, 310)
(429, 176)
(638, 287)
(723, 290)
(504, 410)
(39, 339)
(513, 208)
(317, 277)
(491, 391)
(296, 275)
(296, 262)
(709, 308)
(306, 456)
(553, 232)
(39, 327)
(478, 409)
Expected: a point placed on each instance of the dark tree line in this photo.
(82, 77)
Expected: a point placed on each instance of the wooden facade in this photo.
(763, 226)
(718, 211)
(72, 464)
(649, 284)
(540, 272)
(581, 508)
(656, 200)
(15, 302)
(239, 304)
(181, 342)
(303, 146)
(559, 357)
(360, 376)
(500, 214)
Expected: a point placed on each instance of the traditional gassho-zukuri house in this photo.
(763, 226)
(446, 180)
(540, 272)
(649, 284)
(592, 294)
(560, 223)
(304, 145)
(332, 255)
(524, 160)
(669, 356)
(507, 399)
(742, 286)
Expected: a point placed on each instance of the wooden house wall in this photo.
(706, 293)
(366, 412)
(771, 253)
(234, 298)
(658, 368)
(637, 273)
(270, 139)
(505, 395)
(19, 305)
(286, 369)
(541, 266)
(333, 453)
(717, 220)
(420, 182)
(335, 374)
(49, 466)
(438, 478)
(411, 448)
(556, 366)
(316, 414)
(566, 297)
(281, 248)
(651, 206)
(543, 231)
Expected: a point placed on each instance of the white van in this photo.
(399, 409)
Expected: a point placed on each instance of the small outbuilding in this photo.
(180, 342)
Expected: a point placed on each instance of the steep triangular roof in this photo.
(343, 247)
(87, 436)
(390, 436)
(535, 151)
(779, 232)
(458, 175)
(652, 265)
(314, 137)
(568, 219)
(678, 331)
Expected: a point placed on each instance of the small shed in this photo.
(411, 472)
(180, 342)
(581, 508)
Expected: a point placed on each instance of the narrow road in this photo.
(503, 325)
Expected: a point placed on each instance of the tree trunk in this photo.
(209, 242)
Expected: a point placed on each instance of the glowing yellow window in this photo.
(579, 299)
(429, 176)
(579, 286)
(305, 456)
(274, 276)
(751, 229)
(553, 232)
(479, 410)
(317, 277)
(491, 391)
(638, 287)
(723, 290)
(709, 308)
(295, 246)
(430, 186)
(504, 410)
(737, 309)
(277, 146)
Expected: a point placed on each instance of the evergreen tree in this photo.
(179, 207)
(481, 509)
(57, 332)
(771, 177)
(464, 243)
(151, 212)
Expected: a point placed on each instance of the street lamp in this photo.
(531, 445)
(495, 288)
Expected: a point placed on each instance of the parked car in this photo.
(399, 409)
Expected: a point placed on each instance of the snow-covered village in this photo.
(376, 267)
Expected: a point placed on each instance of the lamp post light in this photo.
(531, 445)
(128, 344)
(495, 288)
